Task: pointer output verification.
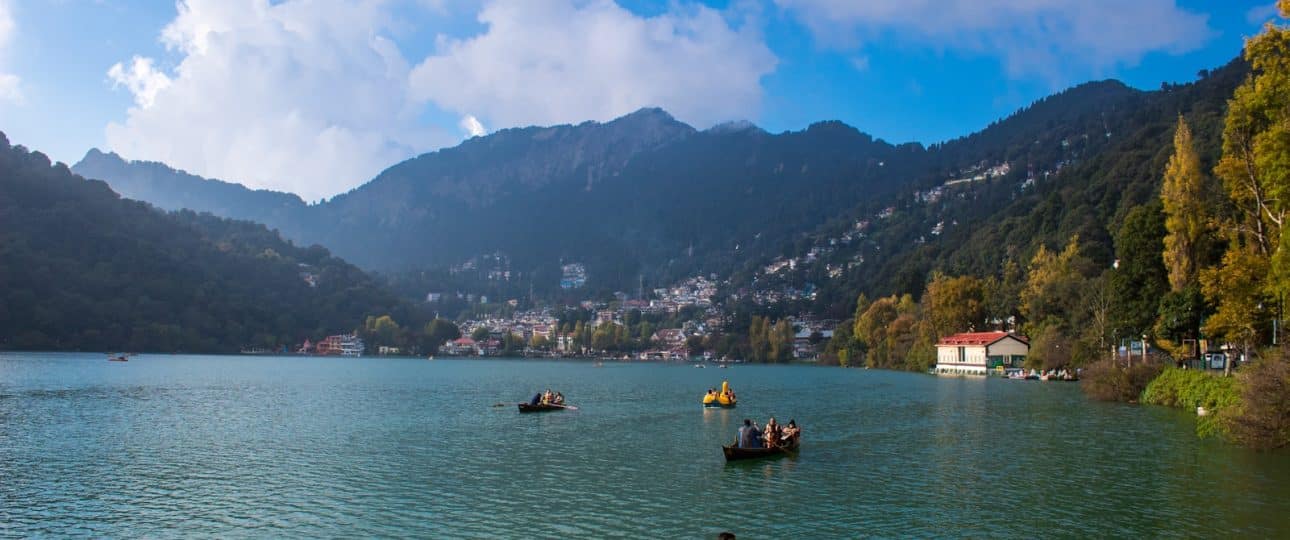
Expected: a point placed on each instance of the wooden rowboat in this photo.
(734, 453)
(544, 407)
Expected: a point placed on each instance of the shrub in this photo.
(1261, 419)
(1190, 388)
(1108, 380)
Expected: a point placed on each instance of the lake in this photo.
(235, 446)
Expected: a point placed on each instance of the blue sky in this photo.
(317, 96)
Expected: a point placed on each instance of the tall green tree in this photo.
(1139, 279)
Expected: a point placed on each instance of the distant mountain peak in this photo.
(735, 126)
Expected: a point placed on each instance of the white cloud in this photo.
(141, 79)
(472, 126)
(1031, 37)
(305, 96)
(314, 97)
(558, 61)
(10, 84)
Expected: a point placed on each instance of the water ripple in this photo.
(237, 447)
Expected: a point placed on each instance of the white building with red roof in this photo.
(975, 353)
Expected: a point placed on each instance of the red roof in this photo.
(464, 341)
(978, 338)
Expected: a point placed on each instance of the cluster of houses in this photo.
(573, 276)
(337, 345)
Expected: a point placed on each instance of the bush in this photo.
(1190, 388)
(1108, 380)
(1261, 419)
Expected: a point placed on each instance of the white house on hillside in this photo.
(973, 353)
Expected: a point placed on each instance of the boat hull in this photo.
(719, 405)
(527, 408)
(733, 453)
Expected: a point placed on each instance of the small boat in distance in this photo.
(122, 357)
(734, 453)
(431, 357)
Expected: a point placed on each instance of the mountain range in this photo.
(646, 198)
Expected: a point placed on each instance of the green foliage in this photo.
(1190, 388)
(436, 333)
(84, 269)
(842, 347)
(955, 304)
(1180, 313)
(1140, 278)
(382, 331)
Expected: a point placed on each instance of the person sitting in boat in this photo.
(749, 435)
(537, 398)
(559, 399)
(772, 433)
(790, 432)
(546, 396)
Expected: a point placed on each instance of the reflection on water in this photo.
(308, 447)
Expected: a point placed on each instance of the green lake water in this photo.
(167, 446)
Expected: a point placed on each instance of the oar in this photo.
(570, 407)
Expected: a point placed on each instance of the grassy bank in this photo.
(1251, 409)
(1188, 389)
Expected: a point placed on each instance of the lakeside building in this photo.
(340, 345)
(975, 353)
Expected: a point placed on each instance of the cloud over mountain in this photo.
(560, 61)
(316, 97)
(309, 97)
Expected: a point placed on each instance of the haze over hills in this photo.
(646, 196)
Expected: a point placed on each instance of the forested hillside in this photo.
(1082, 172)
(84, 269)
(643, 196)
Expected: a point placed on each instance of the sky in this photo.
(316, 97)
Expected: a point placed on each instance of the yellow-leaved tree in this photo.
(1187, 211)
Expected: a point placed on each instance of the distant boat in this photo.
(118, 357)
(722, 366)
(431, 357)
(700, 366)
(734, 453)
(544, 407)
